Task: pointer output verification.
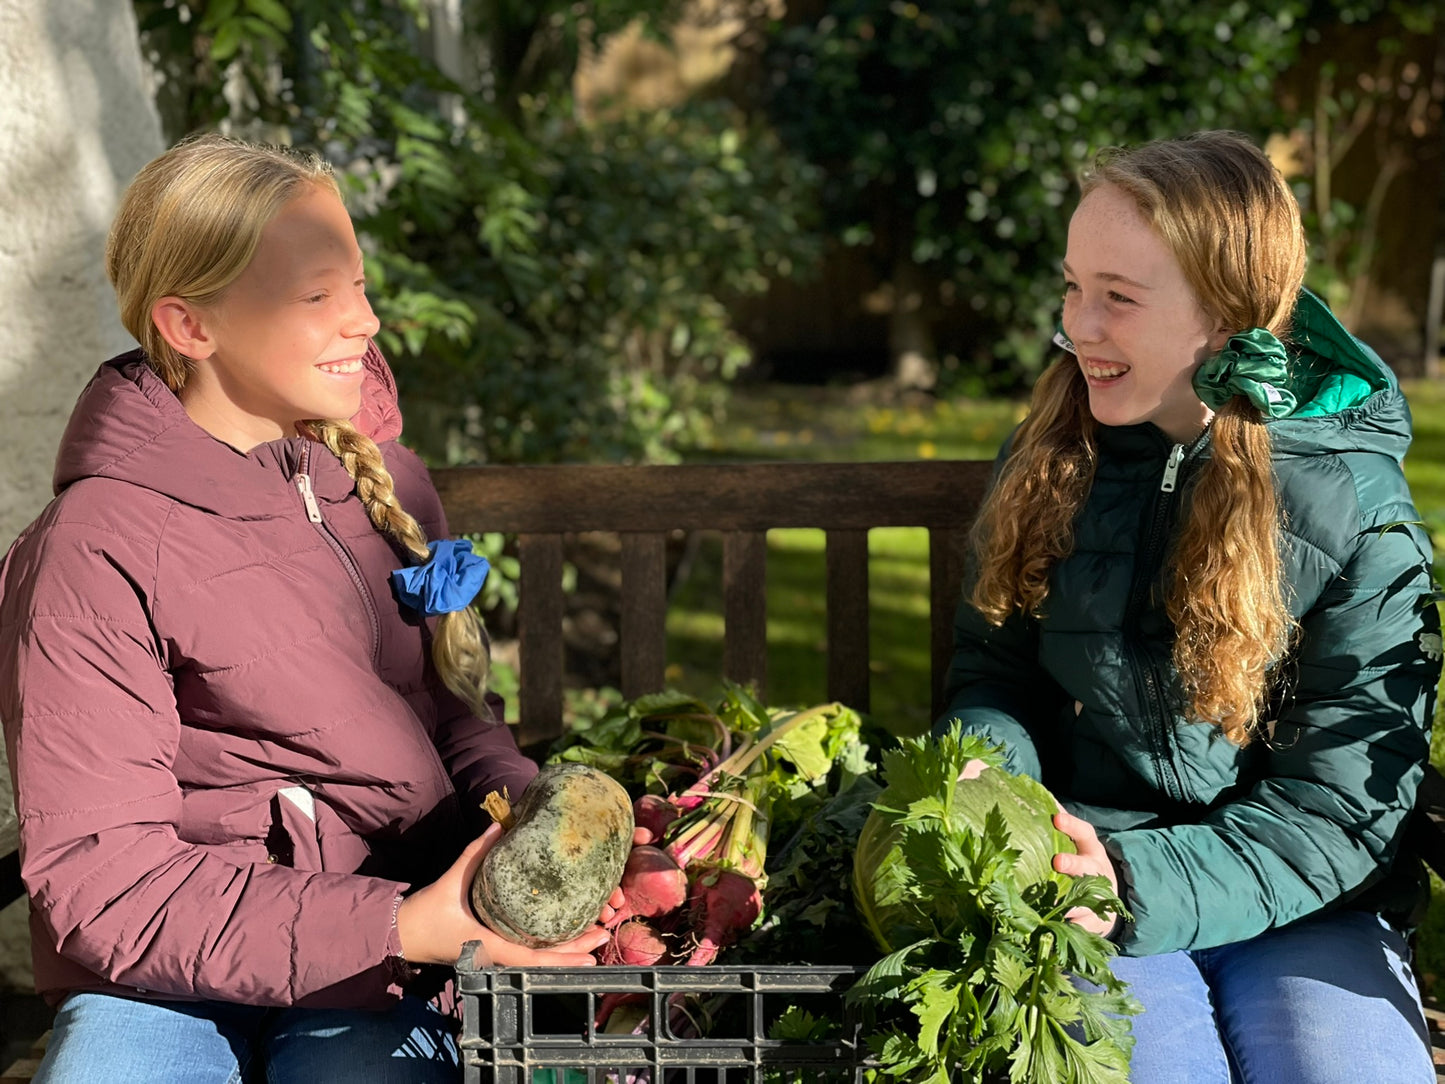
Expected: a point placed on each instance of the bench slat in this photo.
(561, 499)
(745, 616)
(947, 548)
(847, 599)
(540, 607)
(643, 621)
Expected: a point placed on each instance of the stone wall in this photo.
(77, 123)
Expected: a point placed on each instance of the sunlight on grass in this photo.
(832, 424)
(821, 424)
(797, 623)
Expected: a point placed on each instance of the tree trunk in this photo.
(913, 355)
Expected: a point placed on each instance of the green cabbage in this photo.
(922, 779)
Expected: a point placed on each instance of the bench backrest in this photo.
(643, 504)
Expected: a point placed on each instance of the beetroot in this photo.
(655, 813)
(700, 878)
(652, 883)
(724, 905)
(636, 944)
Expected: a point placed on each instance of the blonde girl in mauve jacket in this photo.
(246, 754)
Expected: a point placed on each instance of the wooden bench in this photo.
(643, 505)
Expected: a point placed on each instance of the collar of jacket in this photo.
(128, 425)
(1349, 399)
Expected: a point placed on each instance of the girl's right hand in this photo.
(434, 922)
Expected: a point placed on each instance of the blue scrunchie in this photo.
(448, 581)
(1253, 363)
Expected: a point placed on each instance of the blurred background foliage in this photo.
(950, 134)
(551, 286)
(578, 240)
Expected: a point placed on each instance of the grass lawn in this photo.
(837, 424)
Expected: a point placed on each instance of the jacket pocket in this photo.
(307, 834)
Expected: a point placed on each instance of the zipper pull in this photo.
(308, 497)
(1171, 469)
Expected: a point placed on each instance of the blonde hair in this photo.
(460, 648)
(1233, 226)
(187, 226)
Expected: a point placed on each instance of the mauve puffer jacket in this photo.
(230, 751)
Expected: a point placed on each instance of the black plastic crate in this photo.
(536, 1025)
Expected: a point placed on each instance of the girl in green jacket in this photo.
(1201, 614)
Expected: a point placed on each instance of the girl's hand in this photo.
(434, 922)
(1092, 858)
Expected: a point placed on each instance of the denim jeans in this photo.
(121, 1040)
(1330, 1000)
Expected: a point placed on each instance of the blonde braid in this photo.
(459, 648)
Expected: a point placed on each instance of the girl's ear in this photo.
(1218, 339)
(185, 326)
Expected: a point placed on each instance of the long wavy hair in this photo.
(187, 226)
(1232, 223)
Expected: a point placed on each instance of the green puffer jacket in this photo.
(1213, 843)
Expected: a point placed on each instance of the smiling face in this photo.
(1137, 327)
(285, 340)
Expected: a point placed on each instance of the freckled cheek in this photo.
(307, 345)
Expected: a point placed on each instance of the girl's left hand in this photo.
(1092, 858)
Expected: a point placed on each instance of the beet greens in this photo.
(712, 781)
(764, 818)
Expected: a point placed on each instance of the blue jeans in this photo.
(121, 1040)
(1330, 1000)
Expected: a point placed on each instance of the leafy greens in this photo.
(983, 958)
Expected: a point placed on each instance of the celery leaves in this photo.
(996, 980)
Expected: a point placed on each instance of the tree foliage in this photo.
(1367, 100)
(549, 288)
(950, 133)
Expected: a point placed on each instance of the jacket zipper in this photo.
(1151, 681)
(1171, 469)
(313, 513)
(308, 498)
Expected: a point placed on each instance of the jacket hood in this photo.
(1349, 399)
(128, 425)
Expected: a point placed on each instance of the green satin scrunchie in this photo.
(1253, 363)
